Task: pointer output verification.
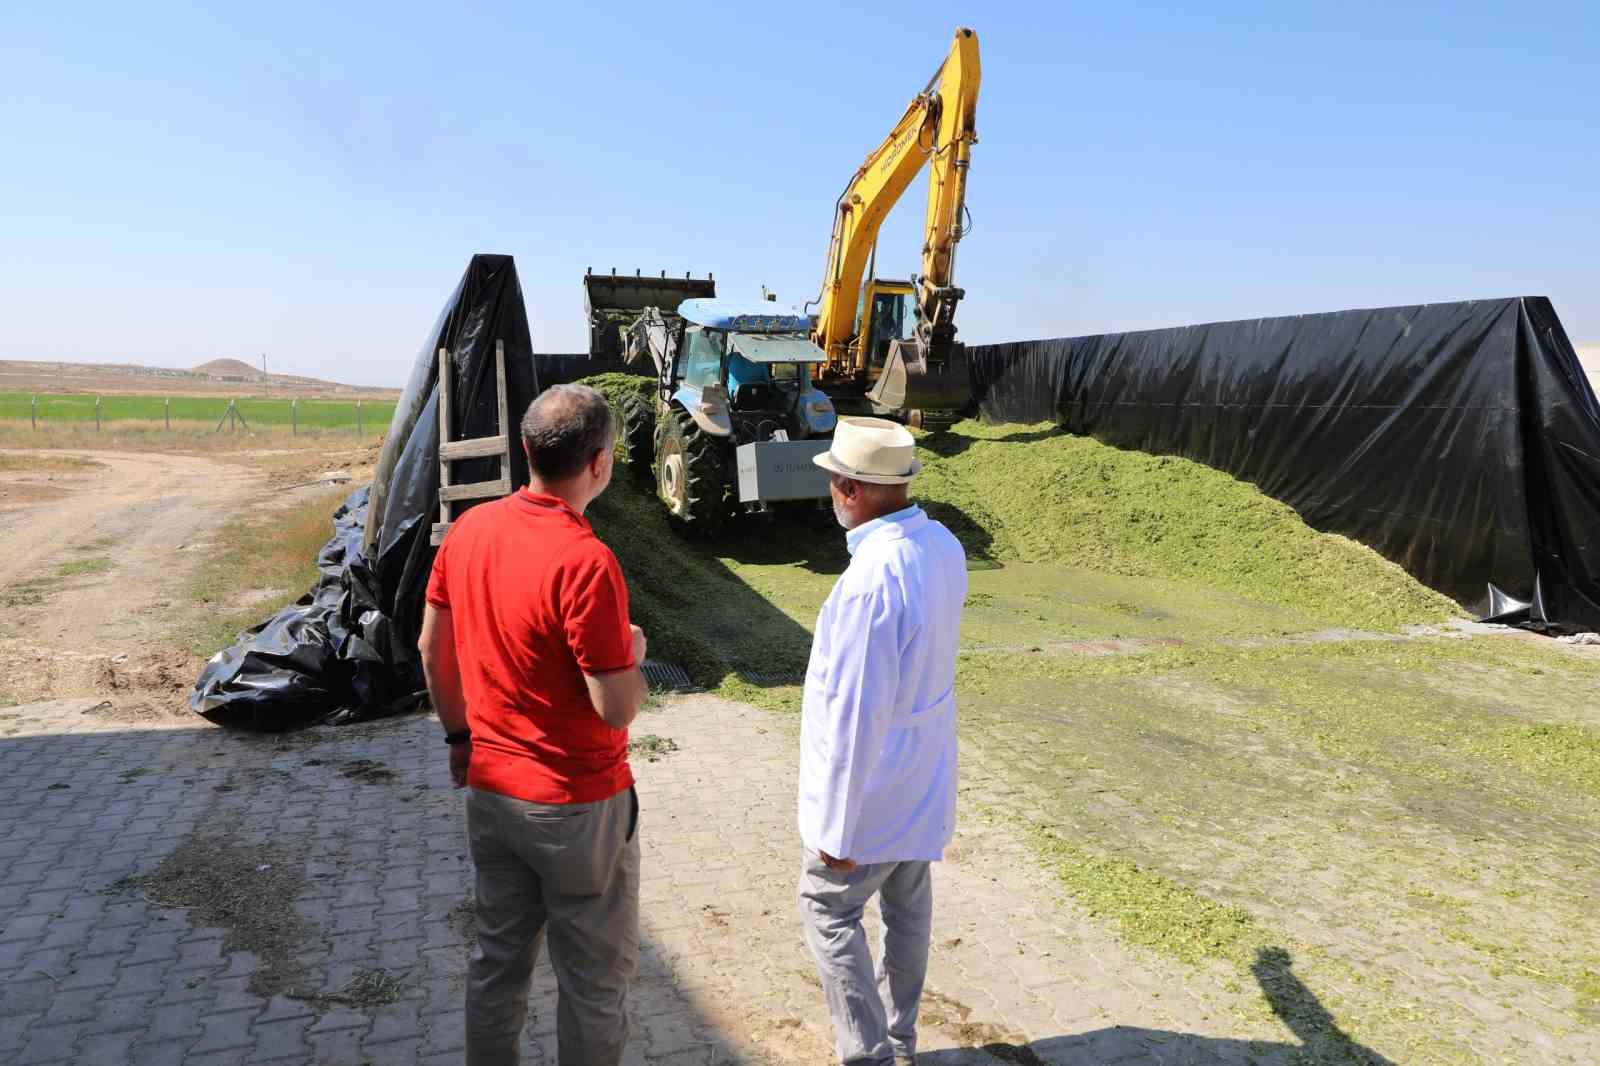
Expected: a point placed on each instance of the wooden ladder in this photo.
(476, 448)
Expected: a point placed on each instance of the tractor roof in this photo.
(746, 316)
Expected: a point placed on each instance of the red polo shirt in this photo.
(536, 601)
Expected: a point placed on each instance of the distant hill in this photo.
(230, 368)
(218, 377)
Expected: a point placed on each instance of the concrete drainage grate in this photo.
(772, 680)
(666, 675)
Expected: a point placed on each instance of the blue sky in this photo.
(182, 182)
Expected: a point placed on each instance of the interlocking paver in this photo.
(340, 1045)
(395, 1022)
(226, 1030)
(107, 1048)
(51, 1043)
(280, 1040)
(724, 975)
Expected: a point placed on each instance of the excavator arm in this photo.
(937, 129)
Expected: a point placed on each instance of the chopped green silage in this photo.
(1034, 493)
(1160, 684)
(1146, 908)
(617, 387)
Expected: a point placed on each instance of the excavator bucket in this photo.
(612, 301)
(920, 384)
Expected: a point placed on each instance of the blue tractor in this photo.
(735, 418)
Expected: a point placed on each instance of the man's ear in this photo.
(598, 463)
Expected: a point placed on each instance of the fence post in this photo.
(294, 417)
(33, 412)
(169, 412)
(97, 414)
(358, 418)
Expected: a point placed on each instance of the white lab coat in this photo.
(878, 726)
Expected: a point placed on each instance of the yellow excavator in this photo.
(890, 345)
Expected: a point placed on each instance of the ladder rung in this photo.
(476, 448)
(439, 530)
(476, 490)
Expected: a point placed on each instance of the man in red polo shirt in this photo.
(533, 667)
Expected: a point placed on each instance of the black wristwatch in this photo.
(460, 736)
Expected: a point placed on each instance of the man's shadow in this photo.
(1320, 1040)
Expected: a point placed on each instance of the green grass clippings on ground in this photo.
(247, 890)
(1147, 909)
(650, 747)
(1552, 752)
(97, 565)
(1159, 914)
(370, 988)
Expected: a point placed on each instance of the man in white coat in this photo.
(878, 742)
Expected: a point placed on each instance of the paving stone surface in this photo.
(92, 971)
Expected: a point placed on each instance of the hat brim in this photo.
(832, 466)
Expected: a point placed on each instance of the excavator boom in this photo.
(928, 369)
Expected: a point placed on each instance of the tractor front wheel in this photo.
(691, 476)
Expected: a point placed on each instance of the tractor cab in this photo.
(744, 370)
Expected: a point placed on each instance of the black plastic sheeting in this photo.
(1460, 440)
(326, 655)
(564, 369)
(346, 651)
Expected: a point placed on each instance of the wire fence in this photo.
(361, 416)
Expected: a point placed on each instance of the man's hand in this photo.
(839, 866)
(638, 645)
(460, 756)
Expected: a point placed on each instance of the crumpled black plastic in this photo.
(346, 650)
(298, 665)
(1460, 440)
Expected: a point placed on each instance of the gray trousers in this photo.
(569, 872)
(874, 1018)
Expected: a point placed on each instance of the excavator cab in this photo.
(914, 371)
(886, 312)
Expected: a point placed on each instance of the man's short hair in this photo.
(564, 428)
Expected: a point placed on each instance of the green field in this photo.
(308, 414)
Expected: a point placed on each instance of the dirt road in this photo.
(99, 546)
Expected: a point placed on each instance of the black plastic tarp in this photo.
(347, 649)
(1460, 440)
(565, 368)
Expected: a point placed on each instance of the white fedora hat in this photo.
(874, 450)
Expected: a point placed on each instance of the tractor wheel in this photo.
(638, 434)
(690, 474)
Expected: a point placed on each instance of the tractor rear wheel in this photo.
(691, 477)
(638, 434)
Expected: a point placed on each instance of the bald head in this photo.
(565, 427)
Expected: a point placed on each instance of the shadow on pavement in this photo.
(1320, 1040)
